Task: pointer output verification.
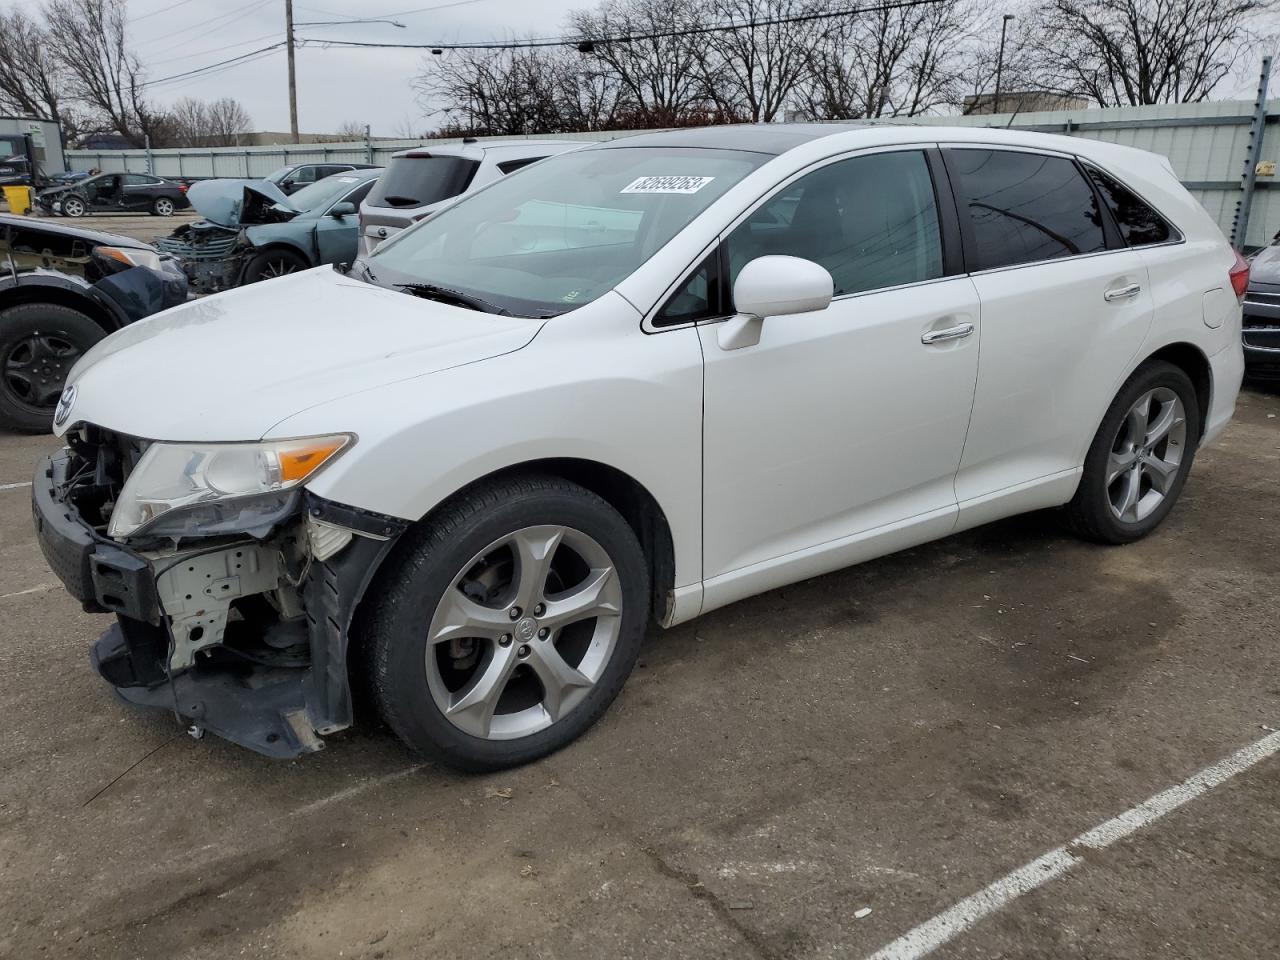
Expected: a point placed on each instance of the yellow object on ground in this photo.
(19, 199)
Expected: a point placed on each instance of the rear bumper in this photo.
(274, 702)
(1227, 370)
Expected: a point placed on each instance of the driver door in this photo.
(838, 435)
(337, 238)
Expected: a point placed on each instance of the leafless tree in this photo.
(754, 71)
(229, 122)
(656, 81)
(1128, 52)
(91, 42)
(351, 130)
(887, 61)
(32, 80)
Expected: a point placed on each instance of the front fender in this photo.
(590, 386)
(292, 236)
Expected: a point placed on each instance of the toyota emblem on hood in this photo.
(65, 403)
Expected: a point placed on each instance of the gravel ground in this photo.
(895, 736)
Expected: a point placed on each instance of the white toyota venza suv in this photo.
(638, 382)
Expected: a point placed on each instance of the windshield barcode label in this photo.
(667, 184)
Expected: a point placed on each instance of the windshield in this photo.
(275, 176)
(564, 232)
(320, 194)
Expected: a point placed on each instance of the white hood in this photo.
(230, 366)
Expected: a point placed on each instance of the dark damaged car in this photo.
(62, 289)
(251, 231)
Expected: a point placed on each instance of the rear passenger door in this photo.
(1065, 307)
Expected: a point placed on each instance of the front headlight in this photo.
(206, 489)
(130, 256)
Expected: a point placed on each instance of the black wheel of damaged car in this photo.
(273, 263)
(507, 624)
(73, 206)
(163, 207)
(39, 343)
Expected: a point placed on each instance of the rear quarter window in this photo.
(417, 181)
(1140, 225)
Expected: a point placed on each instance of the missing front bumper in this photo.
(274, 680)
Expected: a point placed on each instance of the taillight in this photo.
(182, 187)
(1239, 276)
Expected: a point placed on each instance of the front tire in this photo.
(508, 624)
(74, 207)
(39, 343)
(1139, 458)
(273, 263)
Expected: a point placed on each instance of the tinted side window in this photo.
(357, 195)
(303, 175)
(511, 166)
(415, 181)
(871, 221)
(1025, 207)
(1139, 224)
(698, 297)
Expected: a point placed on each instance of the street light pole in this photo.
(293, 79)
(995, 103)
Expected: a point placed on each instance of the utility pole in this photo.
(293, 79)
(995, 102)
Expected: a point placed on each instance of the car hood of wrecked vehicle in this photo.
(251, 357)
(240, 203)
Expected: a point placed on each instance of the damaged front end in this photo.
(212, 256)
(242, 632)
(215, 250)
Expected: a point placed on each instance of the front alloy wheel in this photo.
(73, 207)
(507, 623)
(524, 632)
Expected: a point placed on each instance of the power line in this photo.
(214, 66)
(393, 13)
(156, 13)
(544, 42)
(201, 53)
(204, 23)
(584, 41)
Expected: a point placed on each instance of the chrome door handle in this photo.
(958, 332)
(1127, 292)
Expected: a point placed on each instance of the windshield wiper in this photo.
(429, 291)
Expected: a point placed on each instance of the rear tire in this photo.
(162, 207)
(273, 263)
(508, 623)
(39, 343)
(1139, 458)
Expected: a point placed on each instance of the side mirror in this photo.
(344, 209)
(773, 287)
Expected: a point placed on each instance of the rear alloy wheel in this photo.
(272, 264)
(39, 343)
(74, 207)
(510, 625)
(163, 207)
(1139, 458)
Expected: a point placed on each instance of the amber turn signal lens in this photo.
(300, 461)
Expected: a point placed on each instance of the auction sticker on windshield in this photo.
(667, 184)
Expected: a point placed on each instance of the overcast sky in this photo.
(335, 85)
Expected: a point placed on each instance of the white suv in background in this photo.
(420, 180)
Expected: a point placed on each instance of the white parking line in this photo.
(14, 486)
(954, 921)
(38, 588)
(355, 791)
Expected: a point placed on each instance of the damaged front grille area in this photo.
(101, 461)
(211, 255)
